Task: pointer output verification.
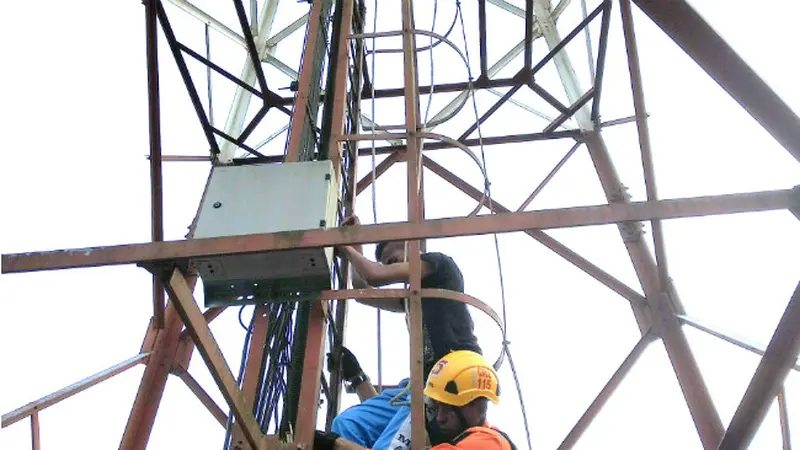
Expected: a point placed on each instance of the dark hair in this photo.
(379, 248)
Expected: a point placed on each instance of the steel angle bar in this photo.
(284, 33)
(487, 141)
(709, 50)
(566, 40)
(523, 106)
(644, 137)
(605, 393)
(35, 435)
(241, 99)
(280, 65)
(233, 140)
(548, 97)
(154, 129)
(784, 414)
(570, 112)
(220, 70)
(380, 169)
(202, 16)
(248, 130)
(63, 394)
(202, 395)
(780, 355)
(757, 349)
(490, 111)
(601, 61)
(187, 79)
(543, 238)
(549, 176)
(181, 296)
(528, 35)
(482, 38)
(148, 253)
(252, 51)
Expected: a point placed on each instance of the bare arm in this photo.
(367, 274)
(366, 391)
(377, 274)
(386, 304)
(344, 444)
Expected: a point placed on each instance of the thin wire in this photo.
(496, 242)
(241, 322)
(373, 187)
(430, 93)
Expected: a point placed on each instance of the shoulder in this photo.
(438, 259)
(482, 438)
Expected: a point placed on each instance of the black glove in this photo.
(324, 440)
(350, 366)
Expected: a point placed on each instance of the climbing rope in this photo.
(487, 187)
(373, 187)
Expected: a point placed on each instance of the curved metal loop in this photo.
(436, 293)
(436, 36)
(471, 154)
(440, 39)
(429, 135)
(451, 114)
(427, 47)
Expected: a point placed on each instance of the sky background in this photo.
(75, 174)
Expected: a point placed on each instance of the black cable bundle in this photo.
(272, 385)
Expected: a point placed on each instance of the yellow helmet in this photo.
(461, 377)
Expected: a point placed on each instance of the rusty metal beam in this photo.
(202, 395)
(778, 359)
(549, 177)
(413, 156)
(183, 300)
(254, 362)
(543, 238)
(380, 169)
(436, 228)
(664, 304)
(165, 343)
(36, 443)
(154, 127)
(644, 136)
(210, 314)
(349, 202)
(308, 401)
(301, 110)
(710, 51)
(487, 141)
(605, 393)
(63, 394)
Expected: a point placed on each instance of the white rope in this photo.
(373, 184)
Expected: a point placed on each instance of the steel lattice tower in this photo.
(329, 115)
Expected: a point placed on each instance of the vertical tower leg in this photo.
(414, 163)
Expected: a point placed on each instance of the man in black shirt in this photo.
(447, 326)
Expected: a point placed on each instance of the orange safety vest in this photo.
(505, 440)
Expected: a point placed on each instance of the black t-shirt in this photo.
(447, 324)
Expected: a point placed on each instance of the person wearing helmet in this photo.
(457, 393)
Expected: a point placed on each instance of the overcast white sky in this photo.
(74, 115)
